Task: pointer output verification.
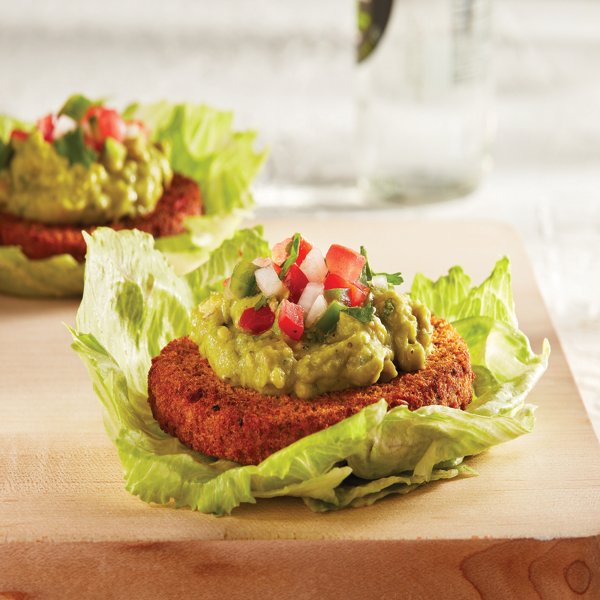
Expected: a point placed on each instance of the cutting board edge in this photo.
(478, 568)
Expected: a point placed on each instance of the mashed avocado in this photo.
(409, 324)
(127, 180)
(354, 354)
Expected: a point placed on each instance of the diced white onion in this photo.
(314, 266)
(63, 125)
(310, 293)
(262, 261)
(380, 282)
(132, 130)
(316, 312)
(268, 281)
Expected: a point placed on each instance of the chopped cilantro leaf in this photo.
(76, 106)
(72, 146)
(367, 274)
(6, 152)
(393, 278)
(130, 111)
(293, 255)
(262, 301)
(364, 314)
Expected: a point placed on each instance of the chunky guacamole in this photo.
(304, 324)
(121, 179)
(354, 354)
(409, 324)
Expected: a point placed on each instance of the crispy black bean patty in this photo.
(192, 403)
(37, 240)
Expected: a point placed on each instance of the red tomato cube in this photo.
(46, 126)
(18, 134)
(100, 123)
(333, 281)
(358, 293)
(257, 321)
(304, 248)
(295, 281)
(344, 262)
(291, 319)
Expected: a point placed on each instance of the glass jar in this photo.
(424, 98)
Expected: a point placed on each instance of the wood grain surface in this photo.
(302, 569)
(528, 526)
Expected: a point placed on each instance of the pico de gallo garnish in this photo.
(305, 323)
(85, 164)
(84, 126)
(305, 290)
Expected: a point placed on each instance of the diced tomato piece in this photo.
(18, 134)
(358, 293)
(257, 321)
(100, 123)
(291, 319)
(279, 251)
(295, 281)
(304, 248)
(334, 281)
(344, 262)
(46, 126)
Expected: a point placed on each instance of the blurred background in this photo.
(288, 69)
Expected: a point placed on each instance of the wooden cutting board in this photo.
(528, 526)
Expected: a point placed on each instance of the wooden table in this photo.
(528, 526)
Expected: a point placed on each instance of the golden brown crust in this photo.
(37, 240)
(190, 402)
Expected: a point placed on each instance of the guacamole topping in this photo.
(90, 171)
(254, 336)
(410, 326)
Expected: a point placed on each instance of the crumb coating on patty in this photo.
(38, 240)
(192, 403)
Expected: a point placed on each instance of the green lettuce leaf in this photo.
(205, 147)
(134, 303)
(189, 250)
(453, 297)
(56, 277)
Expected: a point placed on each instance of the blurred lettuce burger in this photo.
(176, 171)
